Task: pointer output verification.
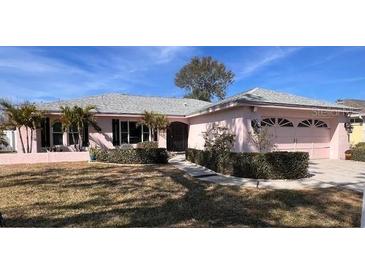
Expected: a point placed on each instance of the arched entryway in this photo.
(177, 136)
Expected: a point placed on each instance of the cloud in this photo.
(164, 55)
(64, 72)
(263, 59)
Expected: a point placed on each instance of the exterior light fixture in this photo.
(348, 127)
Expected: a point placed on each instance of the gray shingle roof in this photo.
(355, 103)
(261, 96)
(119, 103)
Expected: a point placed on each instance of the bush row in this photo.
(133, 156)
(272, 165)
(358, 153)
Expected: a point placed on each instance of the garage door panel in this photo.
(311, 139)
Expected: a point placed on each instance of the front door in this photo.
(177, 136)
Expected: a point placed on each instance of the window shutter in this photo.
(85, 135)
(116, 132)
(45, 132)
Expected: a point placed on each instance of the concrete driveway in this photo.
(327, 173)
(324, 173)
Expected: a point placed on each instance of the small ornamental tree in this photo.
(25, 115)
(261, 138)
(78, 117)
(219, 141)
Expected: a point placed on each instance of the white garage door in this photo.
(309, 135)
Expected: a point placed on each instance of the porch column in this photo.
(162, 138)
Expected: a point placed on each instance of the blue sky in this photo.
(52, 73)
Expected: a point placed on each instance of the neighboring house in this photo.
(357, 120)
(296, 123)
(10, 139)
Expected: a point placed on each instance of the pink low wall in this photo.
(46, 157)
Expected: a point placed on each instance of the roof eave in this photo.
(277, 105)
(109, 114)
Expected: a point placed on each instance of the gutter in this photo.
(276, 105)
(111, 114)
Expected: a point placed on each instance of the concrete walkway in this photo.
(325, 173)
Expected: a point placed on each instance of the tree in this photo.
(218, 138)
(155, 121)
(79, 118)
(219, 141)
(24, 115)
(261, 137)
(204, 78)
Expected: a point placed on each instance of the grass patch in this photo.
(102, 195)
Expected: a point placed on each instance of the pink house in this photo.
(295, 123)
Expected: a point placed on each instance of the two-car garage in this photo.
(308, 135)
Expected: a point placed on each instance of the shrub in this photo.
(360, 145)
(271, 165)
(125, 146)
(133, 156)
(358, 154)
(147, 145)
(218, 141)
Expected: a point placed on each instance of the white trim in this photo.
(123, 115)
(363, 210)
(128, 136)
(234, 104)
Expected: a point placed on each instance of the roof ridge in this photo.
(126, 94)
(295, 95)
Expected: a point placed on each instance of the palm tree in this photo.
(154, 121)
(23, 115)
(33, 118)
(14, 118)
(78, 117)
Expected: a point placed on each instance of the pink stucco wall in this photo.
(104, 139)
(238, 120)
(46, 157)
(319, 143)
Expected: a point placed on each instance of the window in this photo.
(318, 123)
(124, 132)
(306, 123)
(268, 122)
(57, 134)
(284, 123)
(312, 123)
(73, 135)
(135, 133)
(45, 133)
(356, 120)
(132, 132)
(146, 133)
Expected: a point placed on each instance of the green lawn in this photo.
(100, 195)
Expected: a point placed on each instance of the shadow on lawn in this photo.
(186, 202)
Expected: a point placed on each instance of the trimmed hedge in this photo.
(271, 165)
(358, 154)
(133, 156)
